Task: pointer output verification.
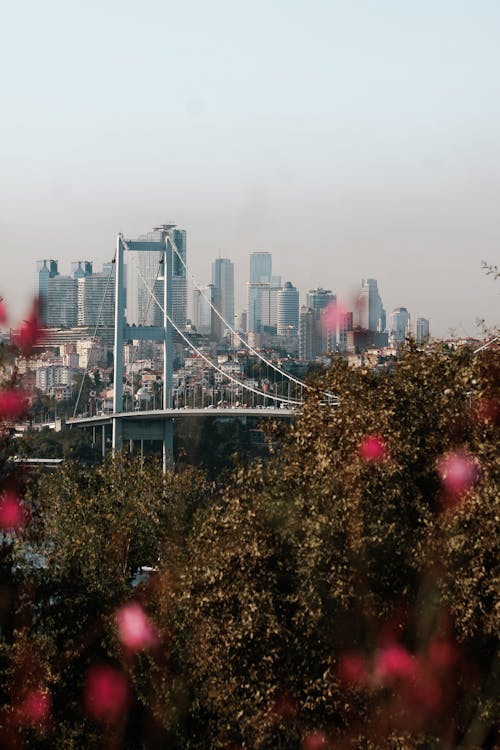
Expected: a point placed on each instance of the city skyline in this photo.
(361, 142)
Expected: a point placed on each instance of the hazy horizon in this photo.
(349, 139)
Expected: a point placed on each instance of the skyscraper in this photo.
(45, 270)
(399, 323)
(223, 284)
(370, 313)
(143, 272)
(260, 268)
(306, 333)
(96, 300)
(258, 302)
(288, 310)
(81, 268)
(179, 280)
(202, 312)
(61, 302)
(320, 301)
(422, 331)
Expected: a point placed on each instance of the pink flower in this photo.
(373, 448)
(29, 334)
(13, 403)
(35, 708)
(135, 629)
(107, 694)
(353, 668)
(458, 472)
(12, 515)
(394, 662)
(315, 741)
(3, 313)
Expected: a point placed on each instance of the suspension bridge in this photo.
(128, 423)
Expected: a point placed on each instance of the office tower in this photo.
(260, 268)
(45, 270)
(399, 322)
(274, 287)
(422, 331)
(321, 302)
(344, 325)
(179, 280)
(370, 313)
(81, 268)
(202, 311)
(96, 300)
(288, 310)
(306, 333)
(143, 272)
(61, 302)
(223, 284)
(258, 307)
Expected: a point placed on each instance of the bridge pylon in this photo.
(158, 241)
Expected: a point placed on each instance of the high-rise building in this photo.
(223, 284)
(370, 312)
(421, 330)
(321, 302)
(288, 310)
(202, 311)
(81, 268)
(45, 270)
(258, 306)
(179, 280)
(306, 333)
(144, 270)
(399, 326)
(260, 268)
(96, 300)
(61, 302)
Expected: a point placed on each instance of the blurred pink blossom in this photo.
(35, 708)
(135, 629)
(353, 668)
(13, 403)
(394, 661)
(3, 313)
(29, 334)
(315, 741)
(333, 316)
(12, 515)
(373, 448)
(458, 472)
(107, 693)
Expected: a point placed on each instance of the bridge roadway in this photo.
(150, 425)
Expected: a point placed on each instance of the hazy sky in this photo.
(350, 139)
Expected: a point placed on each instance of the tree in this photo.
(322, 598)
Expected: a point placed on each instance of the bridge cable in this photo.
(94, 337)
(205, 358)
(234, 332)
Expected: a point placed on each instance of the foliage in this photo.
(342, 593)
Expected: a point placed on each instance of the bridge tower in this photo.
(160, 242)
